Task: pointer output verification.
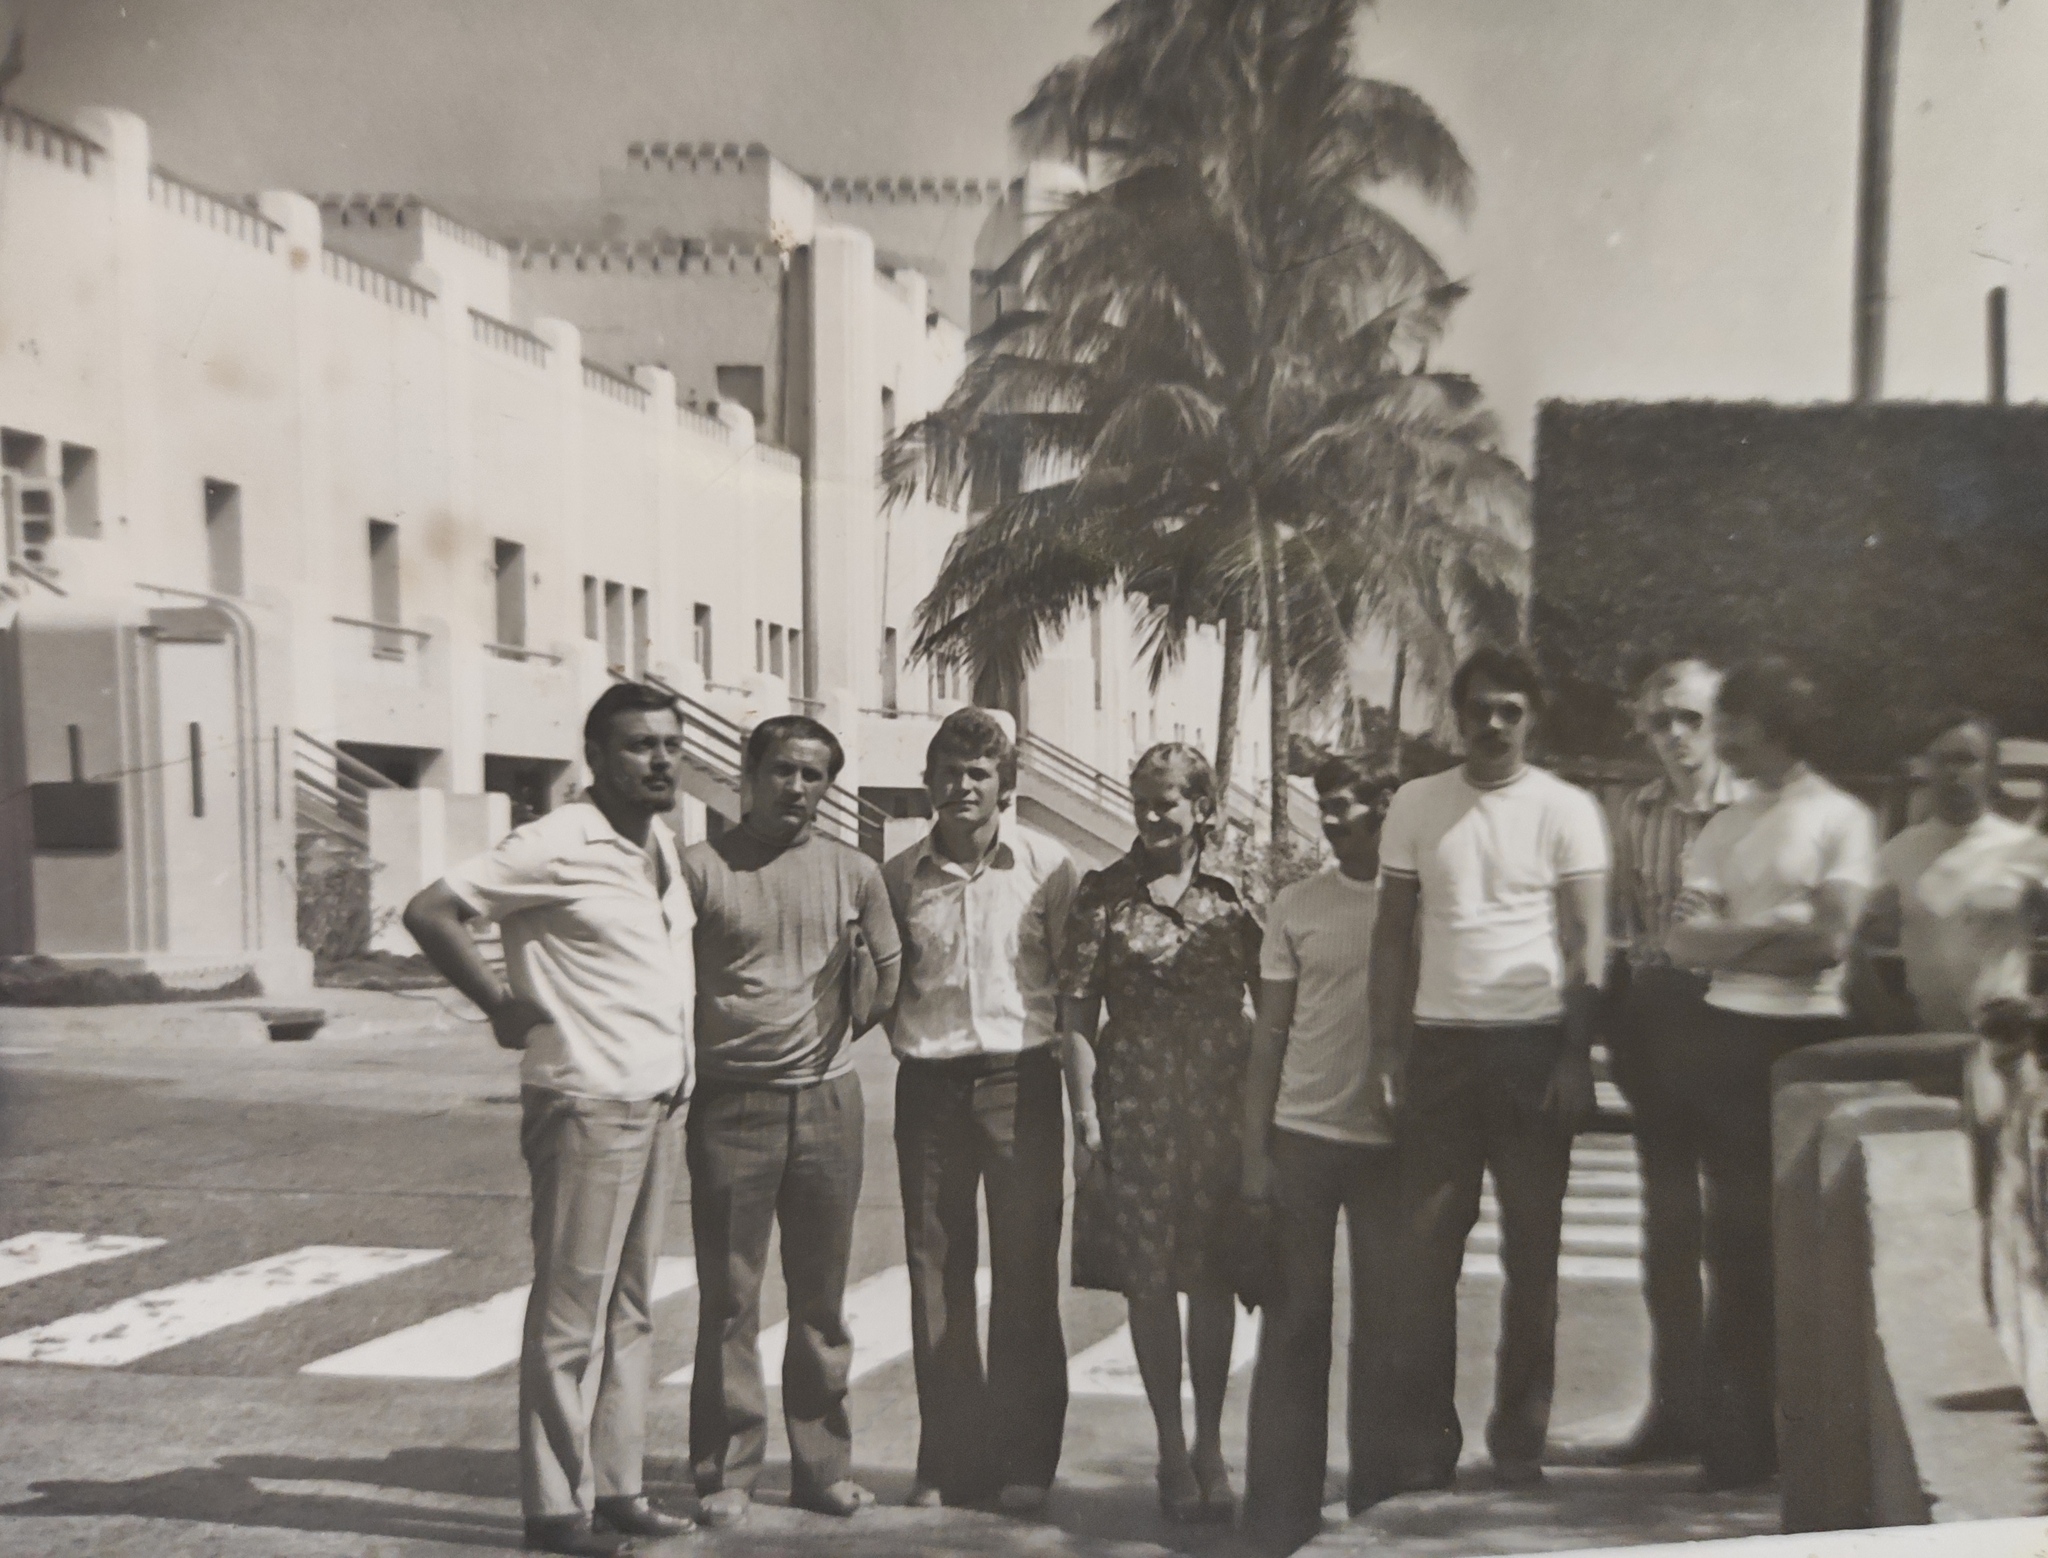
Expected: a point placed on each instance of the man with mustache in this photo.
(789, 927)
(598, 993)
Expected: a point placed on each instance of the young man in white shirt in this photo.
(982, 904)
(1487, 957)
(1773, 890)
(1655, 1006)
(1958, 895)
(597, 927)
(1318, 1141)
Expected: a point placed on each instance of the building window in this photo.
(798, 687)
(22, 452)
(81, 491)
(700, 638)
(508, 569)
(1095, 647)
(888, 413)
(615, 626)
(1180, 731)
(760, 645)
(223, 537)
(593, 609)
(777, 666)
(745, 384)
(384, 600)
(643, 634)
(889, 670)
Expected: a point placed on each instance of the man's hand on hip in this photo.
(513, 1017)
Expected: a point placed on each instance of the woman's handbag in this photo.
(1096, 1260)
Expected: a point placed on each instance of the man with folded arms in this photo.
(982, 904)
(786, 922)
(597, 955)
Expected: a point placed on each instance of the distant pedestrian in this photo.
(1319, 1141)
(1487, 954)
(1171, 951)
(596, 928)
(1773, 890)
(982, 904)
(1958, 895)
(1656, 1008)
(791, 928)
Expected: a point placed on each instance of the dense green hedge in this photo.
(1899, 552)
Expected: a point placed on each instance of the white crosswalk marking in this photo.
(1603, 1217)
(150, 1322)
(1110, 1367)
(469, 1342)
(30, 1255)
(877, 1318)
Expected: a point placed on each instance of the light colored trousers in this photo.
(603, 1171)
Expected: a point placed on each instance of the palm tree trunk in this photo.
(1279, 682)
(1232, 696)
(1394, 698)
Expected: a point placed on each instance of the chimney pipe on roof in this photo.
(1873, 196)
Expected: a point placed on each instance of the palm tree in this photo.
(1215, 398)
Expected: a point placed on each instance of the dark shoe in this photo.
(573, 1534)
(634, 1516)
(845, 1497)
(1180, 1497)
(1517, 1474)
(1656, 1441)
(726, 1507)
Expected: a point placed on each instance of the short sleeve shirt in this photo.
(1963, 935)
(1761, 861)
(1319, 939)
(1489, 863)
(590, 940)
(772, 950)
(980, 945)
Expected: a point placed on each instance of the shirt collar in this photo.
(1725, 791)
(597, 826)
(1132, 864)
(1002, 858)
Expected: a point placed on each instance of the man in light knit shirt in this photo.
(1656, 1007)
(597, 952)
(1486, 960)
(1318, 1141)
(982, 904)
(777, 1127)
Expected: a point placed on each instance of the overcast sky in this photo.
(1665, 186)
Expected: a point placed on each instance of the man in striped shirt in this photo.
(1654, 1007)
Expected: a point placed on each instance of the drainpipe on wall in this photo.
(1873, 197)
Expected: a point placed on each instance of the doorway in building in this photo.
(403, 766)
(199, 750)
(535, 784)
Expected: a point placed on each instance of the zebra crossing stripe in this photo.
(1570, 1268)
(469, 1342)
(1110, 1367)
(166, 1317)
(30, 1255)
(877, 1314)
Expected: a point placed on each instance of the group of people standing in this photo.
(1417, 1014)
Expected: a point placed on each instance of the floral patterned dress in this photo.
(1170, 1061)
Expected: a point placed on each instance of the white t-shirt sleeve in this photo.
(1399, 849)
(1580, 845)
(1279, 958)
(1851, 854)
(517, 873)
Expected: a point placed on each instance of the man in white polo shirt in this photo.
(602, 981)
(1319, 1141)
(982, 903)
(1774, 886)
(1486, 961)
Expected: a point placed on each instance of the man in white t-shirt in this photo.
(1318, 1141)
(1486, 961)
(1957, 895)
(602, 982)
(1773, 889)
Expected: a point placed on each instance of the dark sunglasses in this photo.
(1666, 720)
(1507, 713)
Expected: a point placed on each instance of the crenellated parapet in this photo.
(647, 256)
(405, 212)
(906, 190)
(698, 156)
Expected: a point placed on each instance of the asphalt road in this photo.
(342, 1204)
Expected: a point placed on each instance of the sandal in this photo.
(1219, 1503)
(1181, 1502)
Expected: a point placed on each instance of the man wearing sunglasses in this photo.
(1655, 1007)
(1487, 958)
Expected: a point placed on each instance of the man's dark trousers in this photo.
(759, 1156)
(1724, 1079)
(1315, 1179)
(995, 1122)
(1475, 1100)
(1657, 1022)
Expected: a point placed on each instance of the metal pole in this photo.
(1994, 343)
(1873, 196)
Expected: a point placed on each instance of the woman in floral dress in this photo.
(1157, 1094)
